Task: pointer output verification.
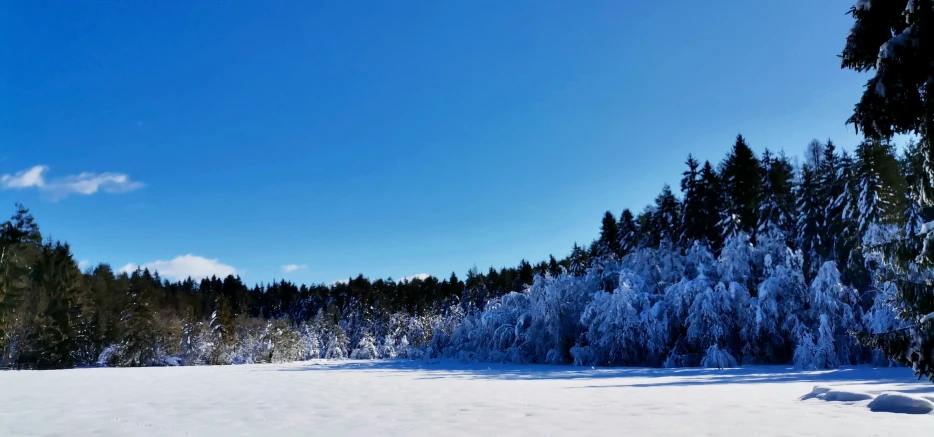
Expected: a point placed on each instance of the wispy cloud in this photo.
(338, 282)
(83, 264)
(289, 268)
(85, 183)
(183, 266)
(24, 179)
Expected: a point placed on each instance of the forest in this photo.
(758, 260)
(821, 260)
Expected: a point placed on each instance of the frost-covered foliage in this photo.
(825, 330)
(673, 307)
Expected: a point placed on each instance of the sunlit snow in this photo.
(368, 398)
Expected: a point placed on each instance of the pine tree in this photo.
(693, 226)
(741, 174)
(666, 219)
(895, 40)
(831, 187)
(810, 214)
(56, 278)
(628, 233)
(777, 212)
(609, 243)
(579, 261)
(138, 344)
(880, 191)
(846, 247)
(711, 201)
(19, 247)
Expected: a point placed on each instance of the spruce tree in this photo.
(741, 176)
(810, 214)
(693, 227)
(138, 343)
(777, 212)
(20, 241)
(666, 219)
(579, 260)
(711, 202)
(628, 233)
(56, 279)
(608, 245)
(894, 40)
(830, 188)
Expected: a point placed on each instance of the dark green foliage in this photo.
(19, 246)
(609, 242)
(628, 233)
(777, 212)
(57, 282)
(810, 216)
(138, 342)
(896, 43)
(741, 176)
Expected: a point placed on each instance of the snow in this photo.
(927, 318)
(845, 396)
(927, 227)
(887, 50)
(901, 403)
(389, 398)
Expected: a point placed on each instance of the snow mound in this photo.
(845, 396)
(893, 402)
(816, 392)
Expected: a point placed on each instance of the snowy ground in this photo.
(451, 399)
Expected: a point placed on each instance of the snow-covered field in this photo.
(371, 398)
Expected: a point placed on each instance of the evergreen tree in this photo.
(609, 242)
(741, 176)
(628, 233)
(711, 202)
(810, 214)
(831, 187)
(19, 246)
(895, 40)
(579, 261)
(693, 226)
(666, 218)
(56, 278)
(138, 345)
(777, 212)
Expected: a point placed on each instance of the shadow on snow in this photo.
(453, 369)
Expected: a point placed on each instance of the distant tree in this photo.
(628, 233)
(693, 226)
(810, 215)
(741, 174)
(777, 212)
(711, 199)
(138, 345)
(666, 217)
(609, 242)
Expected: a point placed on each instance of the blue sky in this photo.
(389, 138)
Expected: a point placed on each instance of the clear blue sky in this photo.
(390, 138)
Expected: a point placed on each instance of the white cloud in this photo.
(289, 268)
(184, 266)
(339, 281)
(25, 178)
(421, 276)
(84, 183)
(83, 264)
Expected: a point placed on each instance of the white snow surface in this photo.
(901, 403)
(389, 398)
